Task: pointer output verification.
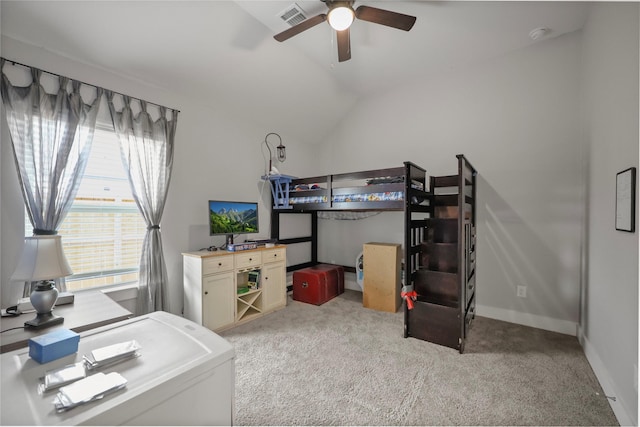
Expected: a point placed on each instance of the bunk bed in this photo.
(406, 188)
(401, 188)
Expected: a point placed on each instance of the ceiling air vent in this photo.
(293, 15)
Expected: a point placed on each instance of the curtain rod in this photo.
(84, 83)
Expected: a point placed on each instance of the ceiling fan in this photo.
(340, 16)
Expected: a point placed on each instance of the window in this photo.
(103, 232)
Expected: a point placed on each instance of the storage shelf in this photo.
(249, 292)
(445, 278)
(249, 315)
(248, 304)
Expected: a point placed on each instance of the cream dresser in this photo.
(223, 289)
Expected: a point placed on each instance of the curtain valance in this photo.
(78, 82)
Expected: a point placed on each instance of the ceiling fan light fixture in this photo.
(341, 17)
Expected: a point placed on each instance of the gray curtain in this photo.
(51, 135)
(146, 147)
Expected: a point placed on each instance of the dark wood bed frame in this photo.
(331, 185)
(439, 243)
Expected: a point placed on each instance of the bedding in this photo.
(386, 196)
(382, 196)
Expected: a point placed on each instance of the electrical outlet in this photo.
(522, 291)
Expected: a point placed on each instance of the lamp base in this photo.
(43, 299)
(43, 320)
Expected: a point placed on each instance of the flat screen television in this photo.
(229, 218)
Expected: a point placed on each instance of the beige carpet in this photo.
(342, 364)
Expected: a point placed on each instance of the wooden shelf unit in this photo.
(445, 278)
(248, 305)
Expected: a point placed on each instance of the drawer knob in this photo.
(206, 292)
(219, 264)
(250, 259)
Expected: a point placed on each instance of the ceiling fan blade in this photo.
(385, 17)
(297, 29)
(344, 45)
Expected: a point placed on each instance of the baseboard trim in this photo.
(350, 282)
(527, 319)
(619, 406)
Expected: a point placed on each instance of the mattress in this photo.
(379, 196)
(363, 197)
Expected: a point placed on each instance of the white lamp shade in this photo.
(340, 18)
(42, 259)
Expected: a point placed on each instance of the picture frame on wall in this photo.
(626, 200)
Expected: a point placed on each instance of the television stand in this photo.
(212, 280)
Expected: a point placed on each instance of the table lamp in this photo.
(42, 260)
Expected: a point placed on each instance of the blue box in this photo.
(54, 345)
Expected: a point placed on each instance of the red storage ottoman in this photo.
(318, 284)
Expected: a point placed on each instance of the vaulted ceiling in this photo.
(223, 52)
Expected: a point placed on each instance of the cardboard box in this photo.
(381, 288)
(54, 345)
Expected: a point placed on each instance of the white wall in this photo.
(609, 319)
(217, 156)
(516, 119)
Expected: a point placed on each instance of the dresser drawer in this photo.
(250, 259)
(217, 264)
(273, 255)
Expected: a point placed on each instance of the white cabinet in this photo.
(247, 259)
(224, 289)
(274, 273)
(185, 375)
(217, 300)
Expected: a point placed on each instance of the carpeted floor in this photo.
(342, 364)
